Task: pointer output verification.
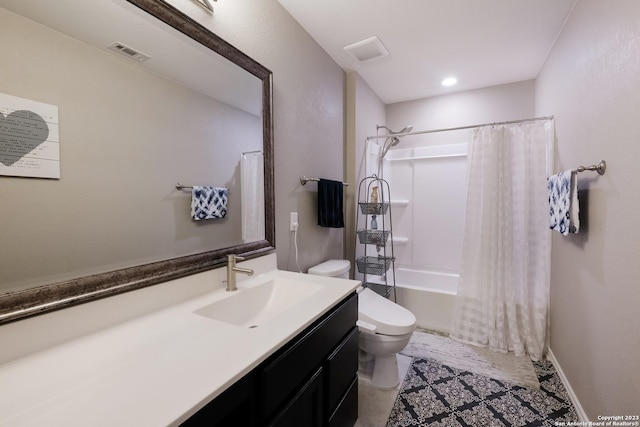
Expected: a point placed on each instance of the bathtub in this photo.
(428, 295)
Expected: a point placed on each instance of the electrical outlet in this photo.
(293, 223)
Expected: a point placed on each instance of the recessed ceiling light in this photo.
(449, 81)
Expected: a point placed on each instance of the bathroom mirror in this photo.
(129, 131)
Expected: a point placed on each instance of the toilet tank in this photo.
(333, 268)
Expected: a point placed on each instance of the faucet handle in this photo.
(234, 257)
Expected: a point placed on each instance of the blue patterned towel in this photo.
(563, 202)
(208, 202)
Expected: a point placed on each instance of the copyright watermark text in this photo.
(604, 421)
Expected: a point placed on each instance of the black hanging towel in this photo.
(330, 204)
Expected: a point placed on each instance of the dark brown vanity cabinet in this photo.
(311, 381)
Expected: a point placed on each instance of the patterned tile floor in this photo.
(437, 395)
(516, 404)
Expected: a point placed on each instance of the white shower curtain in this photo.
(252, 196)
(503, 293)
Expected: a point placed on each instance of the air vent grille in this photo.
(367, 50)
(128, 51)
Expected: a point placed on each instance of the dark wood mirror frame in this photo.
(54, 296)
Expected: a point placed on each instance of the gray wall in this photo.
(127, 137)
(591, 84)
(512, 101)
(308, 114)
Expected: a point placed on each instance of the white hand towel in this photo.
(252, 196)
(564, 207)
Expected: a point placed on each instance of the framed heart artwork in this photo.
(29, 138)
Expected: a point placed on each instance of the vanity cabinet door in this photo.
(305, 409)
(287, 369)
(341, 368)
(235, 407)
(346, 414)
(309, 382)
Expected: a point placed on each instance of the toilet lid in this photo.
(332, 268)
(389, 317)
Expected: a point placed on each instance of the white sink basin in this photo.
(255, 305)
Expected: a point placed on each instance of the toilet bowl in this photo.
(385, 327)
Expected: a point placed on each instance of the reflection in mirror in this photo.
(194, 111)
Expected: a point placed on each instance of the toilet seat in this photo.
(388, 317)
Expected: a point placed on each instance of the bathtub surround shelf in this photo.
(400, 202)
(376, 234)
(400, 240)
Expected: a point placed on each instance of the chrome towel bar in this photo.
(190, 187)
(304, 180)
(599, 167)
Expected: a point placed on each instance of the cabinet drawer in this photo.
(340, 369)
(346, 414)
(292, 365)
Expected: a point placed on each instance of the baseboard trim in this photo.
(572, 395)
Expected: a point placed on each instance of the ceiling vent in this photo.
(367, 50)
(128, 51)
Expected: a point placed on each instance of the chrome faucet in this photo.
(232, 270)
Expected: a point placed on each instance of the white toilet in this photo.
(385, 327)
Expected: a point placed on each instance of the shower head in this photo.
(406, 129)
(392, 141)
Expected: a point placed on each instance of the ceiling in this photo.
(481, 43)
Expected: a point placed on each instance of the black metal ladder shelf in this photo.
(376, 265)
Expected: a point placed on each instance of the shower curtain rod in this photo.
(460, 127)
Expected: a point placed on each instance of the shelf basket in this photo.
(380, 288)
(374, 237)
(374, 208)
(373, 264)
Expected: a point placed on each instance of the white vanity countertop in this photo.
(155, 370)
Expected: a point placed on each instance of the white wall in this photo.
(591, 84)
(308, 99)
